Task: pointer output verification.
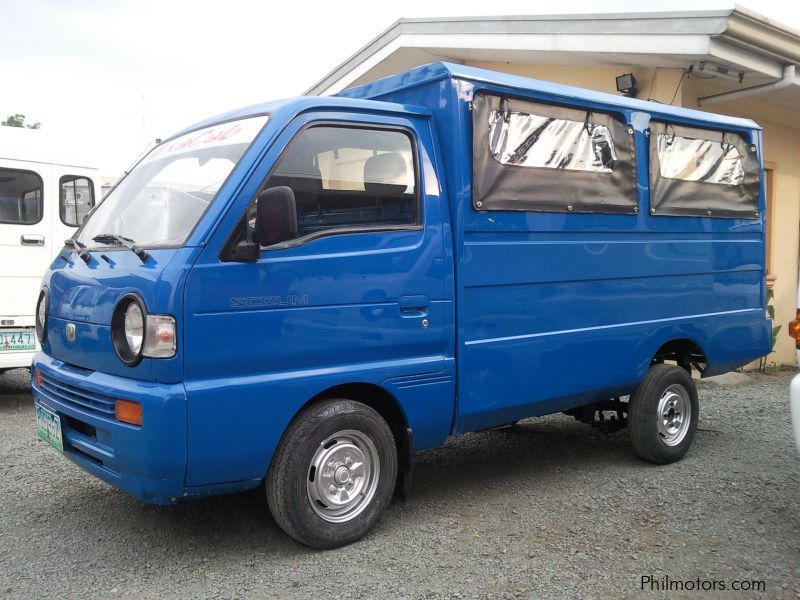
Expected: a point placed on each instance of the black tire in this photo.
(291, 476)
(652, 440)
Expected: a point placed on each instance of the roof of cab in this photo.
(291, 106)
(441, 70)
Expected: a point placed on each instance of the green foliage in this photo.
(770, 306)
(762, 363)
(18, 120)
(775, 331)
(771, 367)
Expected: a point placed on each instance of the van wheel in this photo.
(333, 474)
(663, 414)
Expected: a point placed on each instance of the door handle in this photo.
(29, 239)
(414, 306)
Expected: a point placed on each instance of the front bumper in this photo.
(148, 462)
(794, 400)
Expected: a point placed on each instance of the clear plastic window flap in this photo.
(538, 157)
(702, 172)
(535, 141)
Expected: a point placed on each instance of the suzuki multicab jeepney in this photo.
(45, 192)
(306, 292)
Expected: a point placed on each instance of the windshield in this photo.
(160, 201)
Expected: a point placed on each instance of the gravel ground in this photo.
(547, 509)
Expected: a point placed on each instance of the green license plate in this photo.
(17, 340)
(48, 427)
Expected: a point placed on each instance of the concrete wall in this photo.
(781, 146)
(660, 88)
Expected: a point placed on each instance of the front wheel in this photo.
(663, 414)
(333, 474)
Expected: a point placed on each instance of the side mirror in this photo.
(242, 252)
(276, 216)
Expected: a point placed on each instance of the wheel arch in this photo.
(685, 351)
(386, 405)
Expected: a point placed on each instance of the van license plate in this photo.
(48, 427)
(17, 340)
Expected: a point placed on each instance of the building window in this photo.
(21, 198)
(76, 199)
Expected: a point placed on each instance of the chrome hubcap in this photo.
(674, 414)
(343, 476)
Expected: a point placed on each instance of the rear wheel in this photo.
(663, 414)
(333, 474)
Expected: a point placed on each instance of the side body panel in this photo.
(556, 310)
(263, 338)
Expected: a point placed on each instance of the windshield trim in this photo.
(96, 248)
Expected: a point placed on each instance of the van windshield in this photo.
(163, 197)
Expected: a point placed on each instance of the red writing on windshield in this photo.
(211, 135)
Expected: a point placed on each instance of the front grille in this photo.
(78, 397)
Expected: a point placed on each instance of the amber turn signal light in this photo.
(794, 329)
(37, 378)
(128, 412)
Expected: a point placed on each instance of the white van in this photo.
(46, 189)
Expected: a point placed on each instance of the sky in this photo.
(115, 74)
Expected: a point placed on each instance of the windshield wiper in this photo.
(111, 238)
(80, 249)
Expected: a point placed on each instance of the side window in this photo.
(528, 140)
(532, 156)
(75, 199)
(349, 178)
(21, 198)
(699, 160)
(702, 172)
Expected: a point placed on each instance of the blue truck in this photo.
(303, 294)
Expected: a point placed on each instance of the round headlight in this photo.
(127, 329)
(134, 327)
(41, 315)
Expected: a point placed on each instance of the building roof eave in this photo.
(763, 36)
(758, 39)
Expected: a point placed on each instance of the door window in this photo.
(349, 178)
(76, 199)
(21, 198)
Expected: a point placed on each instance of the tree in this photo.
(18, 120)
